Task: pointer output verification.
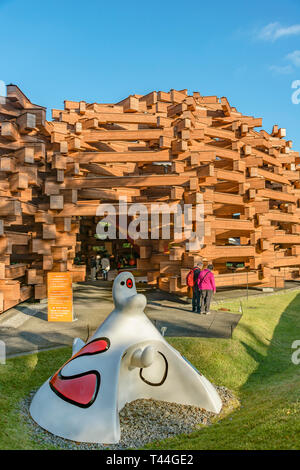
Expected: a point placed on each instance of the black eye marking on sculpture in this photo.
(164, 376)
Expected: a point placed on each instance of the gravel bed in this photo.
(142, 421)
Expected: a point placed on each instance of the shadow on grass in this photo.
(277, 362)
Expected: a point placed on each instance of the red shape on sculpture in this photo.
(94, 347)
(80, 390)
(129, 283)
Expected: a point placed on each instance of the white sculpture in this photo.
(127, 358)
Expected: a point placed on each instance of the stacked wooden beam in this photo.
(179, 148)
(22, 171)
(161, 148)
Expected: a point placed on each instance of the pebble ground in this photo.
(142, 421)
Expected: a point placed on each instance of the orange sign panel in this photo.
(60, 297)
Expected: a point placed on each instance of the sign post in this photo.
(60, 296)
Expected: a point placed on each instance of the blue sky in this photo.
(103, 51)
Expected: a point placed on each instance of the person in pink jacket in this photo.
(207, 286)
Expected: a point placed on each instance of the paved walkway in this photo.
(25, 328)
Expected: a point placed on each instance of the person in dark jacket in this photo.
(206, 286)
(196, 292)
(93, 265)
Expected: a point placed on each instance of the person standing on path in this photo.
(93, 268)
(196, 293)
(105, 265)
(206, 286)
(98, 260)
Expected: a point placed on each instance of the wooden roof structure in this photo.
(163, 147)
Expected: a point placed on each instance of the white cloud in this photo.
(281, 70)
(274, 31)
(294, 57)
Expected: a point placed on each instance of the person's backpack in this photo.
(190, 277)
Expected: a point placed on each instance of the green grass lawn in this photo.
(256, 364)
